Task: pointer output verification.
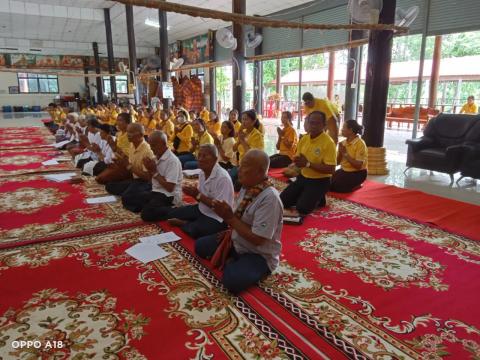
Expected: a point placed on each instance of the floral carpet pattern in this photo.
(34, 209)
(20, 162)
(134, 318)
(353, 282)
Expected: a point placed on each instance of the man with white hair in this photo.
(250, 250)
(165, 173)
(215, 184)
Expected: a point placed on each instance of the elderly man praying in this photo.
(250, 250)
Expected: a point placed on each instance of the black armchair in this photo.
(441, 148)
(471, 161)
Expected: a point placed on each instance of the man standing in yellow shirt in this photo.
(470, 107)
(312, 104)
(316, 157)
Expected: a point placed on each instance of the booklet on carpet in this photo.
(160, 238)
(146, 252)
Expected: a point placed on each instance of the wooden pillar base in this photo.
(377, 161)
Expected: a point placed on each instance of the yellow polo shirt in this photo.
(122, 142)
(469, 109)
(291, 136)
(322, 149)
(254, 140)
(112, 118)
(185, 137)
(205, 115)
(357, 149)
(206, 138)
(136, 156)
(322, 105)
(214, 127)
(169, 129)
(237, 126)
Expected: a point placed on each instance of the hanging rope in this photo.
(257, 21)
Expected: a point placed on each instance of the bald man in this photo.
(165, 175)
(133, 164)
(214, 184)
(255, 224)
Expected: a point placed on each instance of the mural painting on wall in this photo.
(67, 62)
(196, 50)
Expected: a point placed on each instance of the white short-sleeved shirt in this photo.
(218, 186)
(170, 167)
(94, 139)
(265, 215)
(107, 152)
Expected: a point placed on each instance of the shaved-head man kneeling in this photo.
(255, 228)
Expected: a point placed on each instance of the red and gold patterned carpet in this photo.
(354, 282)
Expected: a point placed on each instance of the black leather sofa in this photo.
(471, 160)
(443, 146)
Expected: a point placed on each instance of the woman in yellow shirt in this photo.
(202, 137)
(182, 142)
(213, 125)
(227, 156)
(249, 137)
(352, 156)
(166, 125)
(286, 144)
(233, 118)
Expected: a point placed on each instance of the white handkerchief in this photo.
(146, 252)
(50, 162)
(101, 200)
(60, 177)
(61, 143)
(160, 238)
(194, 172)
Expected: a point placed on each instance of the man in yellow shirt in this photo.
(316, 157)
(470, 107)
(202, 137)
(134, 162)
(312, 104)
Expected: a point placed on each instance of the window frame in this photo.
(37, 77)
(106, 79)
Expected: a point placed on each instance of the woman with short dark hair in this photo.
(352, 157)
(286, 144)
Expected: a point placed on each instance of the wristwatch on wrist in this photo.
(308, 164)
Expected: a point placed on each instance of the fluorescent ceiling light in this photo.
(155, 23)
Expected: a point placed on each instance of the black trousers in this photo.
(153, 206)
(83, 162)
(345, 181)
(306, 194)
(279, 161)
(198, 224)
(99, 167)
(126, 187)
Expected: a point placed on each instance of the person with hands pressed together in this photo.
(352, 156)
(165, 176)
(214, 184)
(133, 163)
(250, 249)
(286, 144)
(202, 137)
(316, 157)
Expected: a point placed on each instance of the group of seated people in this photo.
(239, 234)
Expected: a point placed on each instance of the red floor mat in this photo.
(455, 216)
(18, 162)
(100, 303)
